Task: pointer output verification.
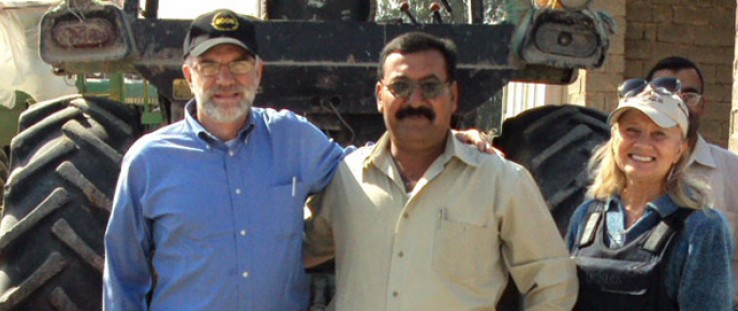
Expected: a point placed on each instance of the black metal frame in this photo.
(327, 67)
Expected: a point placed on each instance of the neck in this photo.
(414, 162)
(637, 195)
(225, 131)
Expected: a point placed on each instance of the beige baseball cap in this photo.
(663, 108)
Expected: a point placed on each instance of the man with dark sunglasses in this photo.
(421, 222)
(715, 165)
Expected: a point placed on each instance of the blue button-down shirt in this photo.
(699, 275)
(199, 224)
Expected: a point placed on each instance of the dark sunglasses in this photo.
(665, 86)
(406, 88)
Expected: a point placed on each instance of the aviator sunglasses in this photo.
(406, 88)
(664, 86)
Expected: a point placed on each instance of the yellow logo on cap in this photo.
(224, 22)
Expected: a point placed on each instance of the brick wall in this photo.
(649, 30)
(703, 31)
(601, 83)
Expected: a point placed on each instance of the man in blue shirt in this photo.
(208, 211)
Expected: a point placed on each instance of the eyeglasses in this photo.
(665, 85)
(691, 98)
(406, 88)
(239, 67)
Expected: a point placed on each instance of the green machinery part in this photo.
(129, 90)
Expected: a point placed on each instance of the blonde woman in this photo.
(648, 239)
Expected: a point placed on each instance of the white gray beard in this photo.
(221, 114)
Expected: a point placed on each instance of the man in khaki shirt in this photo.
(716, 166)
(420, 221)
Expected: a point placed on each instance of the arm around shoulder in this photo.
(320, 155)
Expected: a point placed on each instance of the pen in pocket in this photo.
(441, 217)
(294, 186)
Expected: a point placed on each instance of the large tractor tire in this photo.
(64, 166)
(555, 143)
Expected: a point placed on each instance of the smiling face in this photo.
(416, 121)
(225, 97)
(644, 151)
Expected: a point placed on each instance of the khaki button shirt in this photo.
(449, 244)
(718, 168)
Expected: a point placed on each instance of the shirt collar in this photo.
(663, 205)
(464, 152)
(454, 149)
(702, 154)
(196, 127)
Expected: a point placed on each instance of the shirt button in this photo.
(238, 191)
(405, 215)
(243, 232)
(400, 254)
(231, 153)
(245, 274)
(395, 294)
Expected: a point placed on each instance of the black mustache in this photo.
(420, 111)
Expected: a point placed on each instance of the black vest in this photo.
(628, 278)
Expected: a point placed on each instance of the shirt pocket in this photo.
(286, 209)
(462, 251)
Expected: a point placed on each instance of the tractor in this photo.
(320, 61)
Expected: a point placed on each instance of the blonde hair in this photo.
(609, 180)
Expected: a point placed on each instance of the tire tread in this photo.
(555, 143)
(63, 169)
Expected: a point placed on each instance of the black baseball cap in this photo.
(220, 27)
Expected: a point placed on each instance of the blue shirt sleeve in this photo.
(700, 275)
(320, 154)
(127, 278)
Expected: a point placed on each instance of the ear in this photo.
(259, 71)
(187, 72)
(378, 94)
(700, 109)
(681, 149)
(454, 88)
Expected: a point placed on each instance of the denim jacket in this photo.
(699, 276)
